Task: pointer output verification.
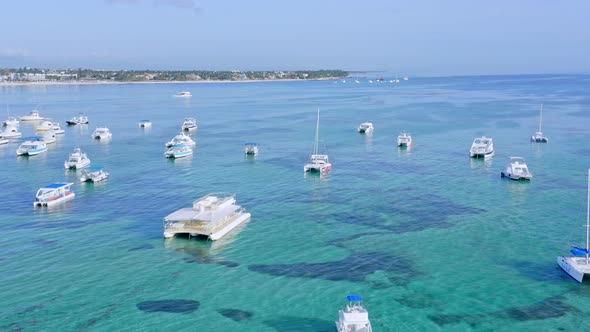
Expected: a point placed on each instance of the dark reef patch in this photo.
(172, 306)
(142, 247)
(419, 301)
(104, 315)
(236, 314)
(300, 324)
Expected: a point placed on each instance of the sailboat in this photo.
(538, 136)
(578, 265)
(317, 162)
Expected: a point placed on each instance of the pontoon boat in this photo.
(178, 151)
(54, 194)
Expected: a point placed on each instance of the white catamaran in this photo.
(317, 162)
(579, 264)
(538, 136)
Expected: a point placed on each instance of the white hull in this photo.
(30, 118)
(102, 137)
(4, 141)
(78, 165)
(574, 266)
(515, 177)
(242, 218)
(11, 135)
(55, 201)
(317, 168)
(483, 155)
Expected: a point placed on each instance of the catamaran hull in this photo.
(483, 155)
(317, 169)
(62, 199)
(569, 268)
(31, 152)
(514, 177)
(539, 140)
(243, 218)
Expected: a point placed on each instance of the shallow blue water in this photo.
(432, 240)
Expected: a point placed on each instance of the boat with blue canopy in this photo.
(54, 193)
(32, 146)
(354, 317)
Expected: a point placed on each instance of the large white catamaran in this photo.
(317, 162)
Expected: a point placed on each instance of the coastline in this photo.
(105, 82)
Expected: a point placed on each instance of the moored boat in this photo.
(57, 129)
(181, 138)
(354, 317)
(189, 124)
(80, 119)
(183, 94)
(404, 140)
(251, 149)
(517, 169)
(317, 162)
(10, 131)
(32, 146)
(102, 133)
(45, 125)
(144, 123)
(34, 115)
(77, 160)
(538, 137)
(482, 147)
(54, 194)
(94, 174)
(178, 151)
(365, 128)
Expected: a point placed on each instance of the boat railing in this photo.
(220, 198)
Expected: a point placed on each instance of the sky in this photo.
(412, 37)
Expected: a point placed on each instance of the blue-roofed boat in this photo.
(354, 317)
(251, 149)
(54, 193)
(32, 146)
(181, 138)
(145, 123)
(94, 174)
(178, 151)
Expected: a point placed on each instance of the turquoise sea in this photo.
(432, 240)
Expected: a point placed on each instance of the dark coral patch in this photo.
(236, 314)
(142, 247)
(172, 306)
(300, 324)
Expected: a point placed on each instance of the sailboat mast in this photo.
(541, 119)
(588, 219)
(317, 131)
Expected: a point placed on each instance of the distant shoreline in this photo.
(105, 82)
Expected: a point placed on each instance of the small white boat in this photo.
(517, 169)
(102, 133)
(45, 125)
(77, 160)
(365, 128)
(579, 265)
(404, 140)
(406, 78)
(80, 119)
(94, 174)
(178, 151)
(34, 115)
(181, 138)
(370, 81)
(354, 317)
(10, 131)
(212, 216)
(54, 194)
(49, 137)
(356, 81)
(317, 162)
(251, 149)
(3, 141)
(32, 146)
(482, 147)
(11, 121)
(189, 124)
(57, 129)
(538, 137)
(183, 94)
(145, 123)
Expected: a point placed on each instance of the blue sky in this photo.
(418, 37)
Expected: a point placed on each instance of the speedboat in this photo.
(45, 125)
(404, 140)
(538, 137)
(32, 146)
(54, 194)
(317, 162)
(212, 216)
(49, 137)
(94, 174)
(80, 119)
(178, 151)
(3, 141)
(102, 133)
(579, 265)
(10, 131)
(57, 129)
(189, 124)
(11, 121)
(77, 160)
(184, 94)
(482, 147)
(517, 169)
(145, 123)
(34, 115)
(365, 128)
(354, 317)
(251, 149)
(181, 138)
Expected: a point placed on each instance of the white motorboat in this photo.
(94, 174)
(34, 115)
(189, 124)
(579, 265)
(57, 129)
(212, 216)
(354, 317)
(10, 131)
(356, 81)
(538, 137)
(178, 151)
(251, 149)
(317, 162)
(181, 138)
(80, 119)
(183, 94)
(482, 147)
(49, 137)
(365, 128)
(102, 133)
(45, 125)
(10, 121)
(404, 140)
(3, 141)
(32, 146)
(144, 123)
(517, 169)
(77, 160)
(54, 194)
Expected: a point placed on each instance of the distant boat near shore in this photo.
(183, 94)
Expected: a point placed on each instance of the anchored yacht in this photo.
(32, 146)
(145, 123)
(317, 162)
(538, 137)
(189, 124)
(181, 138)
(183, 94)
(94, 174)
(517, 169)
(482, 147)
(354, 317)
(212, 216)
(102, 133)
(80, 119)
(404, 140)
(251, 149)
(178, 151)
(54, 194)
(11, 121)
(49, 137)
(34, 115)
(77, 160)
(45, 125)
(365, 128)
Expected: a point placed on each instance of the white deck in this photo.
(576, 267)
